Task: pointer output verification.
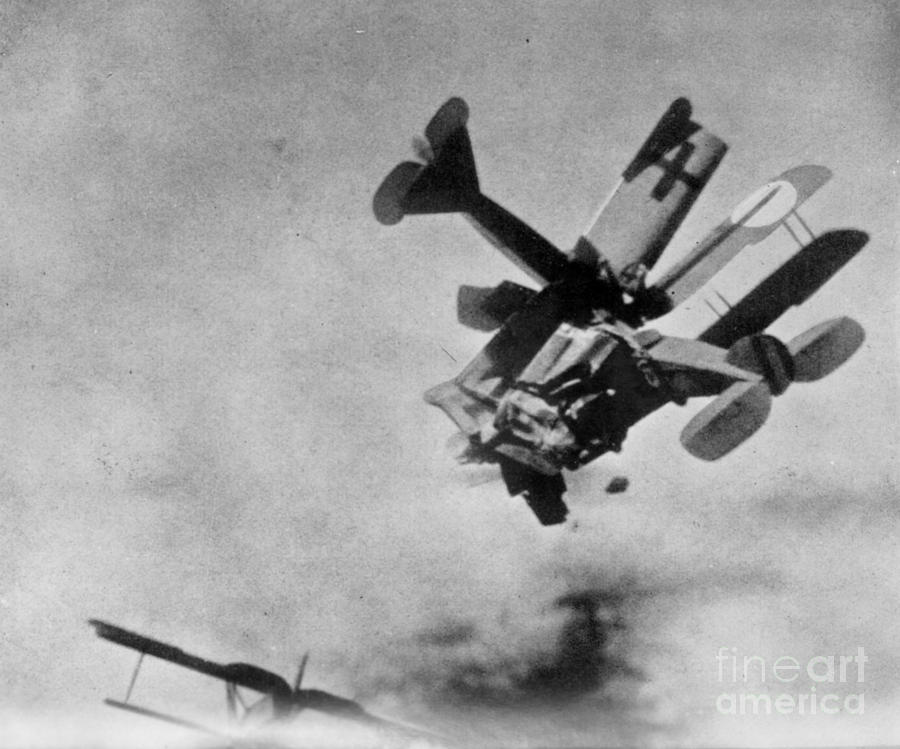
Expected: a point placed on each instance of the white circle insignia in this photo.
(767, 205)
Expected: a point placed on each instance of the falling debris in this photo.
(617, 485)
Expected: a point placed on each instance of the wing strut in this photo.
(134, 676)
(175, 721)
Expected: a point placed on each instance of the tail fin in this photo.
(448, 183)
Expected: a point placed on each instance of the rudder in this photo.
(448, 183)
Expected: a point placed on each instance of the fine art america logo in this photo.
(815, 692)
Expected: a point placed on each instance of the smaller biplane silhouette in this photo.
(276, 701)
(571, 368)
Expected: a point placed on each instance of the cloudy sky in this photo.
(214, 359)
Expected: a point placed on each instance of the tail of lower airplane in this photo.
(741, 409)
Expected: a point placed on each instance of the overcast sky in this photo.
(214, 359)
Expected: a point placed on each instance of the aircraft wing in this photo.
(789, 285)
(656, 191)
(165, 718)
(754, 219)
(240, 674)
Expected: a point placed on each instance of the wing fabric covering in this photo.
(241, 674)
(789, 285)
(655, 193)
(750, 222)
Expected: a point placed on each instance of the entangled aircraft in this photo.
(571, 366)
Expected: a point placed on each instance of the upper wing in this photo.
(754, 219)
(241, 674)
(653, 196)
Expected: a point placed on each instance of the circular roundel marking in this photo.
(769, 204)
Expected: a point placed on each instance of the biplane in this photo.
(273, 699)
(571, 366)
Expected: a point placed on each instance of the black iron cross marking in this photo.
(673, 170)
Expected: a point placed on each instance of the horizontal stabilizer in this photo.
(487, 309)
(729, 420)
(448, 183)
(824, 347)
(388, 203)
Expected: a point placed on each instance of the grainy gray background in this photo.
(212, 428)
